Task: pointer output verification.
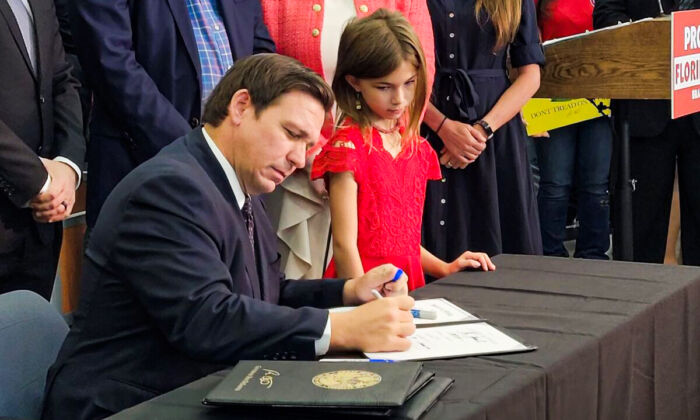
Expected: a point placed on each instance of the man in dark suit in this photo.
(181, 274)
(41, 145)
(657, 144)
(151, 65)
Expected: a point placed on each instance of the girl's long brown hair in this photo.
(373, 47)
(505, 16)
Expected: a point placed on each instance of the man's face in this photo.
(273, 144)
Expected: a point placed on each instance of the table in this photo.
(616, 340)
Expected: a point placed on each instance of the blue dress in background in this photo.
(490, 206)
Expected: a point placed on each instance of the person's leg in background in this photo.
(653, 165)
(555, 157)
(31, 266)
(689, 191)
(593, 153)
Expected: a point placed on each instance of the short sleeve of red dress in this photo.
(429, 156)
(340, 154)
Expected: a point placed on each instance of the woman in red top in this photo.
(309, 30)
(575, 157)
(376, 163)
(560, 18)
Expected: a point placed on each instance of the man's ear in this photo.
(352, 80)
(239, 105)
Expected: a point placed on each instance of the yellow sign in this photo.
(543, 114)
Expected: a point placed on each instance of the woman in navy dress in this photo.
(485, 200)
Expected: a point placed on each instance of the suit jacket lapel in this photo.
(200, 150)
(262, 251)
(9, 17)
(184, 26)
(251, 269)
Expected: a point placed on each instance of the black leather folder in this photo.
(424, 399)
(316, 384)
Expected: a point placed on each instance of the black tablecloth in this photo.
(616, 341)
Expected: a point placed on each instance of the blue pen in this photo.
(398, 274)
(381, 361)
(423, 314)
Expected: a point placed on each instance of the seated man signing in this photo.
(181, 274)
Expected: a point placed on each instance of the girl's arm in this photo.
(438, 268)
(343, 203)
(432, 265)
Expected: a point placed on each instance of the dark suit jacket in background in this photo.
(141, 60)
(647, 118)
(171, 291)
(39, 117)
(63, 16)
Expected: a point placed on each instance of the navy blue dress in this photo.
(490, 206)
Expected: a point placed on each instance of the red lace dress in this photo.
(390, 196)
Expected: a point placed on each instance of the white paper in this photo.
(446, 311)
(454, 341)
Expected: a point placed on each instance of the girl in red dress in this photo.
(376, 165)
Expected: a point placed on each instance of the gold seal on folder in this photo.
(346, 379)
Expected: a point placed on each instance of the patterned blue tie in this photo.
(249, 221)
(686, 4)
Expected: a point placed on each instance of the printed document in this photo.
(458, 340)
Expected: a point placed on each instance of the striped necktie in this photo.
(249, 221)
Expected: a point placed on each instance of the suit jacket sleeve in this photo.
(262, 42)
(103, 36)
(169, 252)
(68, 140)
(609, 13)
(21, 172)
(326, 293)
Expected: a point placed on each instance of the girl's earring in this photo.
(358, 104)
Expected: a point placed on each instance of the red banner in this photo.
(685, 63)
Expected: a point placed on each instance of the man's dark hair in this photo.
(266, 77)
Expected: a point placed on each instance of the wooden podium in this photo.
(628, 61)
(70, 261)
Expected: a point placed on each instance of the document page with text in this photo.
(458, 340)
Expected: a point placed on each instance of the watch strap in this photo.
(486, 127)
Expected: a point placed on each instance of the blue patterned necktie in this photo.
(249, 221)
(686, 4)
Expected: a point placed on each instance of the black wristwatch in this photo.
(486, 127)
